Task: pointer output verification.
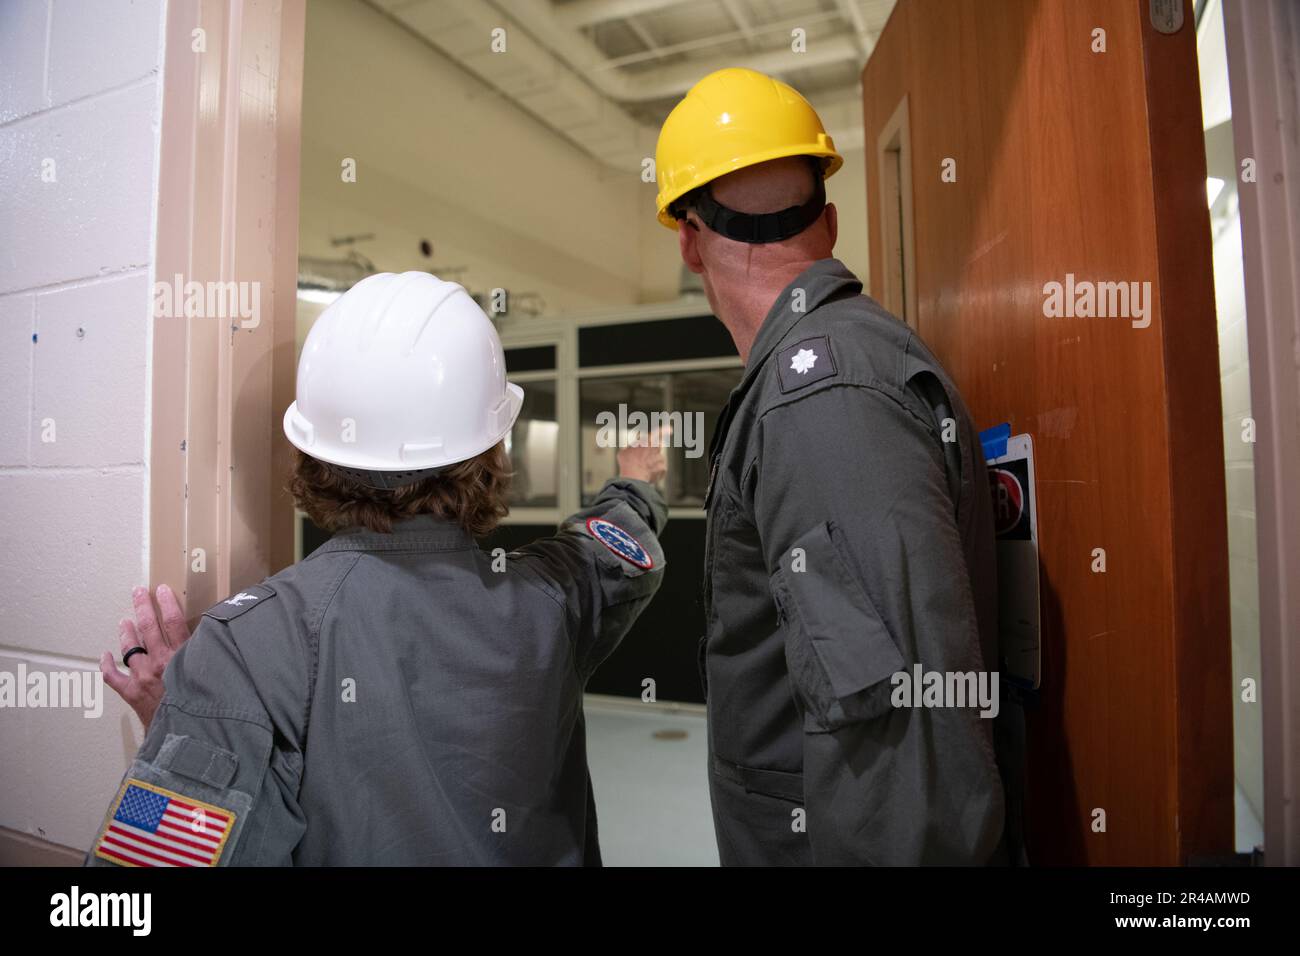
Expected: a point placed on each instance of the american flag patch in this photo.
(150, 826)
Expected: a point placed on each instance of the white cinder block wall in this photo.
(80, 92)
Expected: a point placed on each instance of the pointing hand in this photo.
(644, 458)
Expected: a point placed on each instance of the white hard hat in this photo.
(399, 375)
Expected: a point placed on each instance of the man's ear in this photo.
(832, 222)
(688, 243)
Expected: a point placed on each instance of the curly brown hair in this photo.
(472, 493)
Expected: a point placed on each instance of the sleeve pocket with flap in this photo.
(180, 809)
(840, 653)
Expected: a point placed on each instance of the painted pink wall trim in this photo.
(228, 212)
(1266, 127)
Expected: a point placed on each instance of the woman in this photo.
(399, 696)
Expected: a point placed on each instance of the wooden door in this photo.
(1055, 142)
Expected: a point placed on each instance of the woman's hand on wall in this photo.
(161, 637)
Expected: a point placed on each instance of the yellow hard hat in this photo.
(729, 120)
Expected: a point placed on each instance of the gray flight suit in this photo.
(398, 699)
(847, 542)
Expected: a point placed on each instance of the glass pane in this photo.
(533, 445)
(700, 397)
(693, 400)
(620, 397)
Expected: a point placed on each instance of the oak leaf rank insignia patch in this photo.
(805, 362)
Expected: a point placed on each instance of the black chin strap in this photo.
(752, 227)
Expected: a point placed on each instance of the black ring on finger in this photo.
(126, 658)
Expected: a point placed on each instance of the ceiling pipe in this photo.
(739, 19)
(866, 42)
(675, 80)
(717, 39)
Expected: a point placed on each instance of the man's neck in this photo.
(743, 302)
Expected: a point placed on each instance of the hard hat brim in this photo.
(515, 402)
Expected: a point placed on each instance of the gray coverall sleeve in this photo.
(214, 777)
(602, 591)
(859, 533)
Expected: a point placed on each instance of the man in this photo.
(398, 697)
(850, 534)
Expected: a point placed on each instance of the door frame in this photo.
(897, 225)
(227, 212)
(1266, 124)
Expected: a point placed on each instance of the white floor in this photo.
(652, 796)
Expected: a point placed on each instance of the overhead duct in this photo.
(583, 13)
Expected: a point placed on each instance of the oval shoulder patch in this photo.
(620, 542)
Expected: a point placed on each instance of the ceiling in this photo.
(605, 73)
